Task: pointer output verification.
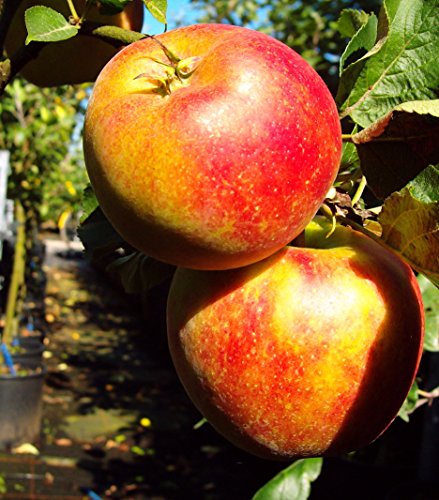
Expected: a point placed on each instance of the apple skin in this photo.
(77, 60)
(310, 352)
(229, 166)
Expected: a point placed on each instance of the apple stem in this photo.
(347, 137)
(75, 16)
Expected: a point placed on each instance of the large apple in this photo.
(77, 60)
(210, 146)
(309, 352)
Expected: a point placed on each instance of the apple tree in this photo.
(387, 187)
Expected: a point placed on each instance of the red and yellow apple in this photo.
(309, 352)
(78, 59)
(210, 146)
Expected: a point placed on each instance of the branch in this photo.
(9, 68)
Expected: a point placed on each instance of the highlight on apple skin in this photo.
(78, 59)
(210, 146)
(310, 352)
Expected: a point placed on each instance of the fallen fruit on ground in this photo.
(310, 352)
(77, 60)
(210, 146)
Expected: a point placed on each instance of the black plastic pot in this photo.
(28, 349)
(21, 404)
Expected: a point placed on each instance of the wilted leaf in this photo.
(410, 222)
(44, 24)
(158, 9)
(398, 146)
(402, 66)
(294, 482)
(138, 272)
(430, 297)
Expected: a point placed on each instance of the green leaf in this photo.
(350, 21)
(426, 187)
(294, 482)
(138, 272)
(398, 146)
(409, 405)
(158, 9)
(97, 235)
(349, 157)
(401, 67)
(362, 41)
(44, 24)
(89, 202)
(430, 297)
(410, 223)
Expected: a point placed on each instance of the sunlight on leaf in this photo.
(363, 40)
(430, 297)
(402, 66)
(158, 9)
(44, 24)
(409, 405)
(293, 482)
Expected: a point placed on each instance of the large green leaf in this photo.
(294, 482)
(398, 146)
(430, 297)
(402, 65)
(410, 222)
(44, 24)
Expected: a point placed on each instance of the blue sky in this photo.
(177, 11)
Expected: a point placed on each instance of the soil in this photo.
(117, 423)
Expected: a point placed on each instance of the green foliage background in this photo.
(40, 130)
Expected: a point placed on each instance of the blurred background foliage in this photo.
(41, 129)
(309, 27)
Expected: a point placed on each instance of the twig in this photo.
(17, 278)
